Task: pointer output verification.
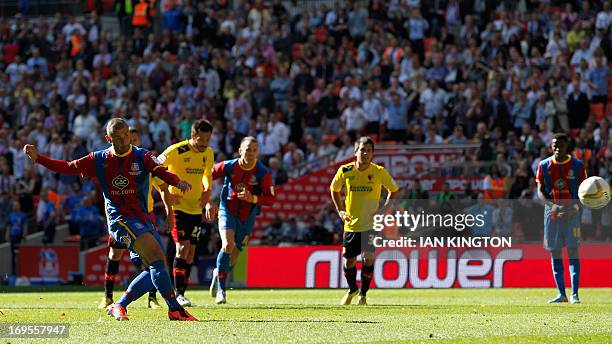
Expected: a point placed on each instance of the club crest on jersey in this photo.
(560, 184)
(253, 180)
(571, 175)
(120, 182)
(135, 169)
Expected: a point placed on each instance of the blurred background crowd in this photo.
(306, 78)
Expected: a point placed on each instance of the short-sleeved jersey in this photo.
(125, 180)
(561, 179)
(257, 180)
(192, 166)
(363, 189)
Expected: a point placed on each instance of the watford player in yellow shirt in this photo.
(363, 181)
(192, 160)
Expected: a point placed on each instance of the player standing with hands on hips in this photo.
(124, 172)
(558, 178)
(363, 181)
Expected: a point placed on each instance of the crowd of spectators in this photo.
(306, 78)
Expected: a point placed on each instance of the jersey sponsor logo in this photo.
(123, 192)
(358, 188)
(120, 182)
(190, 170)
(186, 160)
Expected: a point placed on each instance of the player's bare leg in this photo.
(350, 273)
(183, 248)
(228, 245)
(149, 250)
(367, 269)
(112, 267)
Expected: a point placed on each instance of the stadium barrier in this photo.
(524, 265)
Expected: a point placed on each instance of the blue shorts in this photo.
(562, 232)
(126, 230)
(242, 229)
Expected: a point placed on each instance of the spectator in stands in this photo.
(89, 221)
(46, 217)
(279, 175)
(17, 230)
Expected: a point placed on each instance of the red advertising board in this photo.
(95, 265)
(48, 262)
(525, 265)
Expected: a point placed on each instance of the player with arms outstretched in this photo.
(247, 185)
(116, 250)
(558, 178)
(192, 160)
(123, 171)
(363, 181)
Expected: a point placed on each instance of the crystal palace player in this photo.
(116, 249)
(363, 181)
(247, 185)
(558, 179)
(123, 172)
(191, 160)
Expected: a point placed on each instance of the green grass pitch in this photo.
(314, 316)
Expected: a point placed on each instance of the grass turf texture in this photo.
(457, 315)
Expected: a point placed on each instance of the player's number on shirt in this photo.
(196, 232)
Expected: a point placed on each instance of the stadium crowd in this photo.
(305, 78)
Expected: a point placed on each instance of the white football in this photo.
(594, 192)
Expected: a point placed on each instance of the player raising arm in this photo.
(247, 185)
(558, 178)
(123, 171)
(363, 181)
(116, 249)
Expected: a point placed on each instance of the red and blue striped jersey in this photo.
(257, 180)
(124, 180)
(561, 179)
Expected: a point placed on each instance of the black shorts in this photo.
(186, 227)
(355, 243)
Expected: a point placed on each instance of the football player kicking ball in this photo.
(124, 172)
(558, 179)
(247, 185)
(192, 160)
(116, 250)
(363, 181)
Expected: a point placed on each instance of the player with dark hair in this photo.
(192, 160)
(558, 178)
(247, 185)
(116, 250)
(123, 171)
(363, 181)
